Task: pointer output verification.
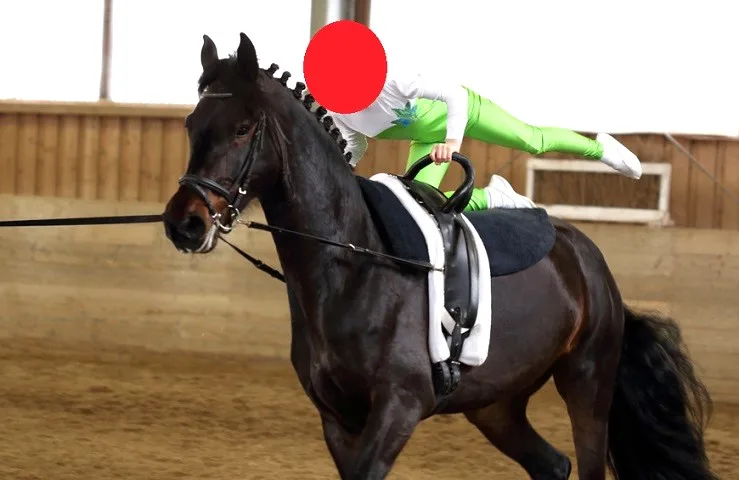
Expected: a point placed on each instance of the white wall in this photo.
(612, 65)
(167, 41)
(595, 65)
(43, 57)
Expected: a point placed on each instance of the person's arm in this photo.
(451, 93)
(356, 143)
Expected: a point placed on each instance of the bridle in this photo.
(237, 193)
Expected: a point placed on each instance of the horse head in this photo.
(238, 145)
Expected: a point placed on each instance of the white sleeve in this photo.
(356, 143)
(451, 93)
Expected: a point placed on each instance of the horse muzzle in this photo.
(190, 234)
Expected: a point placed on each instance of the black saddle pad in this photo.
(514, 238)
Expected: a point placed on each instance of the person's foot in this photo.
(618, 157)
(501, 195)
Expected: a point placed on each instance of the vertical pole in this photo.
(324, 12)
(105, 71)
(362, 11)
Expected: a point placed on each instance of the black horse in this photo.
(359, 324)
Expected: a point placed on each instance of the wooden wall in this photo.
(137, 152)
(128, 285)
(92, 151)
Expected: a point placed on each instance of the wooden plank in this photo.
(8, 151)
(398, 151)
(718, 204)
(110, 155)
(89, 154)
(130, 159)
(401, 155)
(702, 206)
(371, 161)
(385, 157)
(477, 152)
(643, 193)
(68, 158)
(174, 158)
(500, 162)
(680, 196)
(518, 172)
(709, 340)
(46, 167)
(97, 109)
(652, 149)
(402, 149)
(25, 177)
(152, 158)
(729, 211)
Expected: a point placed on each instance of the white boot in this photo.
(501, 195)
(618, 157)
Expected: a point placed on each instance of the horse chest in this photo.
(346, 365)
(340, 391)
(345, 342)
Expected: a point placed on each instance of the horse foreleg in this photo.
(393, 417)
(341, 444)
(505, 425)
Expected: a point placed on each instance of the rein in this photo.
(200, 185)
(133, 219)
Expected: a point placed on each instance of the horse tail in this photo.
(660, 407)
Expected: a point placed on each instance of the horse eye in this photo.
(243, 130)
(225, 181)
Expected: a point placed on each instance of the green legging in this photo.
(489, 123)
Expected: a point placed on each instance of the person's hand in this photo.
(442, 152)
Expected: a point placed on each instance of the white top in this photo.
(391, 108)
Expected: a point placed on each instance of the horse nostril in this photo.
(192, 226)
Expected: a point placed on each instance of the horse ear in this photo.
(246, 55)
(209, 53)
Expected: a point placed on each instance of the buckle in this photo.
(221, 226)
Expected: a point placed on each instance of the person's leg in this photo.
(430, 129)
(494, 125)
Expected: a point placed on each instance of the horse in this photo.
(359, 323)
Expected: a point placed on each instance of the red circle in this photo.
(345, 66)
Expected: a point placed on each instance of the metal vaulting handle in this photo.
(461, 197)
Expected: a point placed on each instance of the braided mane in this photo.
(309, 102)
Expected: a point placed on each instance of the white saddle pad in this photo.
(475, 347)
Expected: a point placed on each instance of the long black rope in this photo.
(256, 262)
(348, 246)
(74, 221)
(132, 219)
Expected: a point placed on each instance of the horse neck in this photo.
(319, 196)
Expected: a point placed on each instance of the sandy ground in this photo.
(82, 411)
(121, 358)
